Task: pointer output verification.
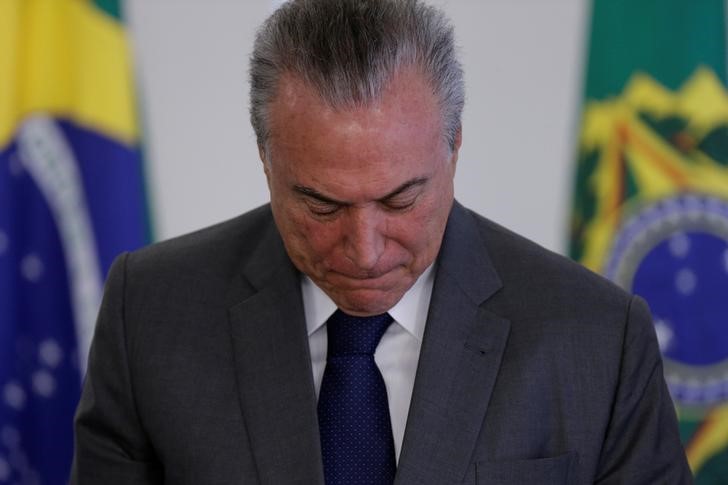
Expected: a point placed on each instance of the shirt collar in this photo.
(410, 311)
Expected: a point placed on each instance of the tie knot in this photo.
(349, 335)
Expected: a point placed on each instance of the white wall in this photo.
(523, 64)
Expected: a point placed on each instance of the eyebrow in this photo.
(313, 193)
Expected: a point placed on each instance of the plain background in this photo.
(524, 64)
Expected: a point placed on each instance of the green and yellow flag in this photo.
(71, 198)
(651, 198)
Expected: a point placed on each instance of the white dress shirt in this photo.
(397, 353)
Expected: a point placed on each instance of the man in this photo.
(217, 357)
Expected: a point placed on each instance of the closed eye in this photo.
(316, 202)
(400, 203)
(404, 197)
(321, 207)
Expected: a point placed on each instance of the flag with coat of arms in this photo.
(71, 198)
(650, 206)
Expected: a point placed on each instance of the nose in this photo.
(364, 241)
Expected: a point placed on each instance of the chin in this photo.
(366, 302)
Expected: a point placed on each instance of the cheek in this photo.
(311, 239)
(411, 235)
(421, 235)
(432, 214)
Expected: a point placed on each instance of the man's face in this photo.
(361, 197)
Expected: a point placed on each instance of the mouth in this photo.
(365, 279)
(363, 275)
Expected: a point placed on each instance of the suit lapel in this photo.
(273, 368)
(459, 360)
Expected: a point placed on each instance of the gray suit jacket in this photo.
(532, 370)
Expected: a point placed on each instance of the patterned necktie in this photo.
(356, 432)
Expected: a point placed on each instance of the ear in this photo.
(457, 142)
(266, 163)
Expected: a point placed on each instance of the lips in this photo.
(363, 274)
(364, 280)
(346, 269)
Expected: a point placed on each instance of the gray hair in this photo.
(348, 50)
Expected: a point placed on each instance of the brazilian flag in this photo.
(650, 207)
(71, 198)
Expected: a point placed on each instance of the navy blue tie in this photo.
(356, 433)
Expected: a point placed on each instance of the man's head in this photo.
(356, 106)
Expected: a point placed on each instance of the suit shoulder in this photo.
(547, 277)
(212, 250)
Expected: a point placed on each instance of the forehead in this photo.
(404, 121)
